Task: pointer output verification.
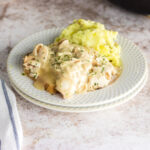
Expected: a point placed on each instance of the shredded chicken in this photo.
(68, 68)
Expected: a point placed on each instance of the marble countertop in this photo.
(125, 127)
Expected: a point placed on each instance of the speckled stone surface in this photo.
(125, 127)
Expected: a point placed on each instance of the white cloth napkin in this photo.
(10, 127)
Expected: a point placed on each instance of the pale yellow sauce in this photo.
(47, 75)
(68, 69)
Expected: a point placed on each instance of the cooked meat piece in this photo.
(68, 68)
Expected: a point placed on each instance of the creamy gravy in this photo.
(68, 69)
(47, 76)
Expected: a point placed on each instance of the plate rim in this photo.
(84, 109)
(104, 102)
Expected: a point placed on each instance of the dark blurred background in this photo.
(139, 6)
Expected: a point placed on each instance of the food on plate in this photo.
(70, 66)
(94, 35)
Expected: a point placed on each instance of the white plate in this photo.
(134, 70)
(85, 109)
